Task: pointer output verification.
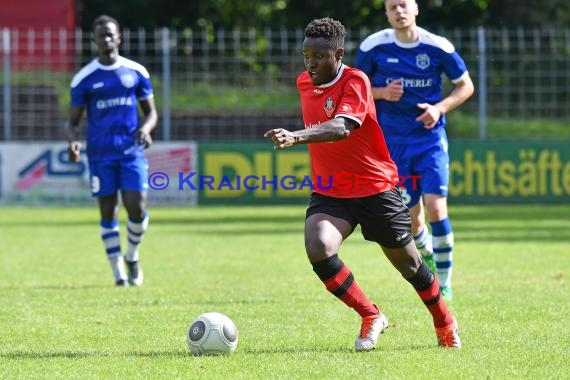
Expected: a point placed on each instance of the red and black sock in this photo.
(427, 287)
(338, 280)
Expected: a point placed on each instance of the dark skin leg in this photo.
(406, 259)
(134, 202)
(324, 234)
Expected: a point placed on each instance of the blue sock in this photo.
(443, 249)
(112, 243)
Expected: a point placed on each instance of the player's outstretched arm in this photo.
(335, 129)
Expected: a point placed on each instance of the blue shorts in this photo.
(109, 176)
(422, 168)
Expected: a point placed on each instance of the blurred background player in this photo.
(405, 65)
(344, 139)
(109, 89)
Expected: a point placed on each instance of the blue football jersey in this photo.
(421, 65)
(110, 95)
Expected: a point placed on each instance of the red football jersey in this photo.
(360, 165)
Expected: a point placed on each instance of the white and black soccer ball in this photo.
(212, 334)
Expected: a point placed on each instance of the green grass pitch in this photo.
(62, 318)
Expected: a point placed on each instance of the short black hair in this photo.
(104, 19)
(329, 29)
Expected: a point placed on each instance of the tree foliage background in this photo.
(276, 14)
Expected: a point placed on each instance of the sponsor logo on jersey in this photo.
(318, 91)
(312, 125)
(422, 61)
(329, 107)
(411, 82)
(98, 85)
(392, 60)
(114, 102)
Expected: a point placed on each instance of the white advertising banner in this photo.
(40, 173)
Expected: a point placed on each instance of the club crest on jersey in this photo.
(422, 61)
(127, 80)
(329, 107)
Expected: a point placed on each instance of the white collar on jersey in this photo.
(335, 79)
(115, 65)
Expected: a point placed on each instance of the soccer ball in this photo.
(212, 334)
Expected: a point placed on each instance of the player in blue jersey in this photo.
(109, 89)
(405, 64)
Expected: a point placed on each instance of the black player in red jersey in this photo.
(346, 142)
